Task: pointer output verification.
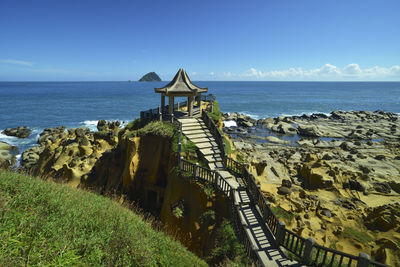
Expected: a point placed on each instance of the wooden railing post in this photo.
(181, 165)
(159, 114)
(216, 178)
(308, 250)
(195, 170)
(280, 233)
(265, 215)
(363, 260)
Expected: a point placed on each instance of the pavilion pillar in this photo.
(162, 102)
(190, 108)
(199, 100)
(170, 104)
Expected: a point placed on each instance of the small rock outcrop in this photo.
(20, 132)
(150, 77)
(7, 155)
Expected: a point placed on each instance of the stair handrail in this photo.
(216, 134)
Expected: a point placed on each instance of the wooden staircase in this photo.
(252, 224)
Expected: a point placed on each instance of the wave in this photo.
(92, 124)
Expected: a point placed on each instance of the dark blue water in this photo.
(75, 104)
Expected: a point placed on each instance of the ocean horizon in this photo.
(40, 105)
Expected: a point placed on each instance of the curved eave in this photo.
(181, 84)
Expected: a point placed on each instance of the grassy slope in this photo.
(49, 224)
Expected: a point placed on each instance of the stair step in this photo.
(242, 197)
(194, 128)
(213, 158)
(215, 165)
(204, 145)
(210, 151)
(197, 137)
(192, 124)
(199, 131)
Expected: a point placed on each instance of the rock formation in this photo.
(20, 132)
(336, 180)
(7, 155)
(150, 77)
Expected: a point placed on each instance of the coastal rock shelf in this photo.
(334, 178)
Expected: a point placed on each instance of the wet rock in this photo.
(20, 132)
(286, 128)
(276, 140)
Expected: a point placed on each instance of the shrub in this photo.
(157, 128)
(216, 114)
(282, 213)
(362, 237)
(228, 148)
(227, 246)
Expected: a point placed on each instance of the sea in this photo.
(40, 105)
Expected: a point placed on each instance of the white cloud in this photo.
(327, 72)
(17, 62)
(352, 69)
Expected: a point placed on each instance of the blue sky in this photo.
(213, 40)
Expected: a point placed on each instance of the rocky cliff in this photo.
(141, 166)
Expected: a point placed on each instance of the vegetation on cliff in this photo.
(216, 114)
(48, 224)
(150, 77)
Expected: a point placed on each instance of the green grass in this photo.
(228, 148)
(362, 237)
(216, 114)
(157, 128)
(282, 214)
(42, 223)
(228, 251)
(239, 158)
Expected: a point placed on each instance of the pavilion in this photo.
(181, 86)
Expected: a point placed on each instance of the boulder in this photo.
(7, 155)
(315, 177)
(286, 183)
(286, 128)
(308, 131)
(20, 132)
(382, 187)
(283, 190)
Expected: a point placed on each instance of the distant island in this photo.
(150, 77)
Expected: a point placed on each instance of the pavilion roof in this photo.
(181, 85)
